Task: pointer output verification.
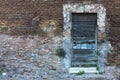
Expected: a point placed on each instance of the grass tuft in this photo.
(1, 70)
(97, 53)
(4, 28)
(81, 73)
(60, 52)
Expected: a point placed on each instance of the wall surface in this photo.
(28, 16)
(22, 11)
(19, 13)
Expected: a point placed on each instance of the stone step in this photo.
(86, 70)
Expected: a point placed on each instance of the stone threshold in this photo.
(74, 70)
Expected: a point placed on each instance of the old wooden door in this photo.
(84, 26)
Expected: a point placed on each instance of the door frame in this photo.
(68, 9)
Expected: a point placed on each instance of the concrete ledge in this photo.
(86, 70)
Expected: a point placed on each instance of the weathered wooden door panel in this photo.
(83, 36)
(84, 17)
(84, 25)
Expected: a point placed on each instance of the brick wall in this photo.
(16, 16)
(113, 17)
(19, 13)
(22, 11)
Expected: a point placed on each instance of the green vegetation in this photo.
(81, 73)
(86, 60)
(1, 70)
(72, 65)
(97, 73)
(89, 65)
(95, 60)
(100, 72)
(97, 68)
(4, 28)
(60, 52)
(97, 53)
